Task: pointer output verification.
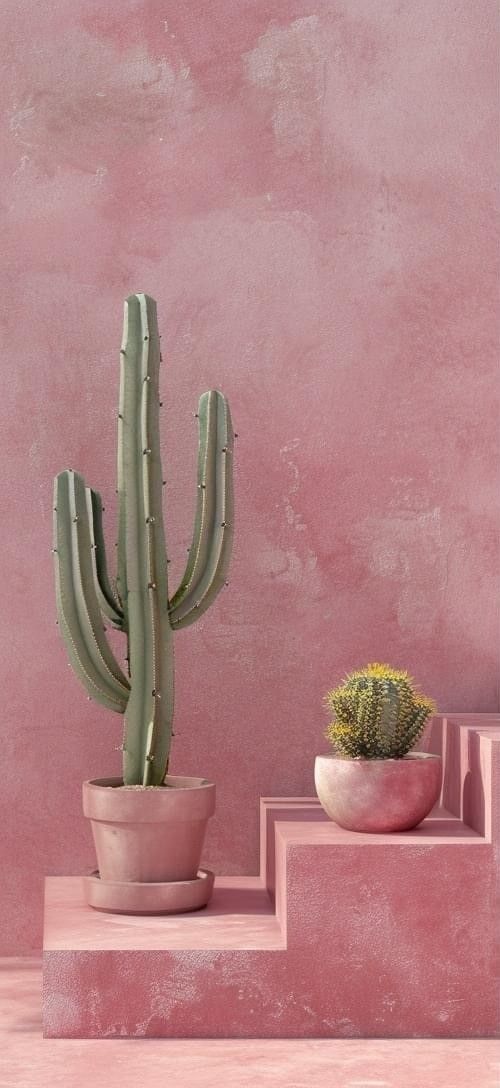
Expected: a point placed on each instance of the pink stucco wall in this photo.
(307, 189)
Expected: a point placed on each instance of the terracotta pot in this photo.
(152, 834)
(378, 795)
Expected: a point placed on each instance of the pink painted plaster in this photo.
(307, 189)
(369, 935)
(29, 1061)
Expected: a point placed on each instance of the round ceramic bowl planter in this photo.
(378, 795)
(148, 842)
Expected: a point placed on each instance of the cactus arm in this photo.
(121, 575)
(90, 609)
(78, 609)
(148, 719)
(211, 546)
(107, 600)
(206, 498)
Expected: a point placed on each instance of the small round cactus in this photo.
(379, 714)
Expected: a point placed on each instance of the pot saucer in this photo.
(170, 897)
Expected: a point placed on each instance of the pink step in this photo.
(342, 935)
(29, 1061)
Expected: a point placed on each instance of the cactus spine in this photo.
(378, 713)
(139, 605)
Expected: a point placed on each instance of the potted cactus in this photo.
(372, 781)
(148, 826)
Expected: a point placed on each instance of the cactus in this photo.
(138, 604)
(378, 713)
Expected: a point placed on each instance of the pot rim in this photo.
(189, 799)
(389, 759)
(185, 783)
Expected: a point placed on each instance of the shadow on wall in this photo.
(462, 791)
(472, 790)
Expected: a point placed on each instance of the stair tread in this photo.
(240, 916)
(440, 827)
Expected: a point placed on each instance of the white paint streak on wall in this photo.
(286, 565)
(34, 456)
(290, 62)
(99, 175)
(293, 518)
(408, 548)
(21, 169)
(19, 116)
(289, 564)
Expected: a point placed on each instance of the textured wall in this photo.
(307, 189)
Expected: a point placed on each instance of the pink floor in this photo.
(29, 1061)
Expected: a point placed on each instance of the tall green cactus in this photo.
(378, 713)
(139, 604)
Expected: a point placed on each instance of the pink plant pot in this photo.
(378, 795)
(151, 834)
